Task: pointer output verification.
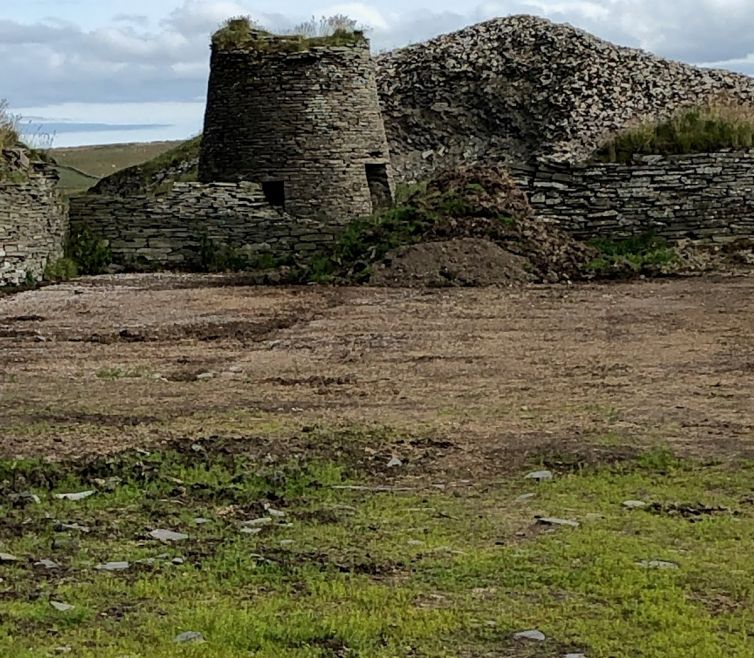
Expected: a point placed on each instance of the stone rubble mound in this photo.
(520, 88)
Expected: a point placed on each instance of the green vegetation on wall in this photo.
(8, 129)
(90, 253)
(63, 269)
(646, 254)
(214, 257)
(707, 129)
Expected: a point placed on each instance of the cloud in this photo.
(136, 60)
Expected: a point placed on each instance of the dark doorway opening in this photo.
(274, 192)
(379, 186)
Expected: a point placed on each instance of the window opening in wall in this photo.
(274, 192)
(379, 186)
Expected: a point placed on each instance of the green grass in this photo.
(106, 159)
(705, 129)
(645, 254)
(63, 269)
(424, 572)
(72, 181)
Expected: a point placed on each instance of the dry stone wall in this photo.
(168, 230)
(705, 197)
(33, 225)
(306, 124)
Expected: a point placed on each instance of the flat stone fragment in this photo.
(659, 564)
(575, 655)
(25, 498)
(189, 637)
(62, 527)
(251, 531)
(255, 523)
(547, 520)
(200, 520)
(81, 495)
(535, 636)
(113, 566)
(7, 557)
(634, 504)
(540, 476)
(167, 535)
(525, 498)
(394, 463)
(47, 564)
(275, 513)
(61, 607)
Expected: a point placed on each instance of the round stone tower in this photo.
(302, 117)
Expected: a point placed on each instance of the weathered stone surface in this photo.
(167, 536)
(519, 88)
(170, 229)
(534, 635)
(306, 120)
(33, 224)
(675, 197)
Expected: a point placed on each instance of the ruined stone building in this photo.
(33, 217)
(302, 117)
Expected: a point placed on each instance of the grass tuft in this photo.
(718, 126)
(9, 135)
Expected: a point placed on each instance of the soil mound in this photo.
(468, 226)
(463, 262)
(485, 202)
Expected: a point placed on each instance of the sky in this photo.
(99, 71)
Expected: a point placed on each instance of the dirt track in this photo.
(100, 364)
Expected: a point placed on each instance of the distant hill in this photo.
(81, 167)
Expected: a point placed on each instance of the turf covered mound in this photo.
(476, 208)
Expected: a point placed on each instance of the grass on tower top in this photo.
(243, 33)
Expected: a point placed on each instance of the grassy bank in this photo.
(297, 559)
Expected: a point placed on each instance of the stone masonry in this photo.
(33, 224)
(706, 197)
(167, 230)
(305, 123)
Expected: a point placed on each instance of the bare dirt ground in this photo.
(479, 379)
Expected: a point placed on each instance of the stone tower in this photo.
(302, 117)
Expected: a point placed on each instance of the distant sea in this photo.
(84, 124)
